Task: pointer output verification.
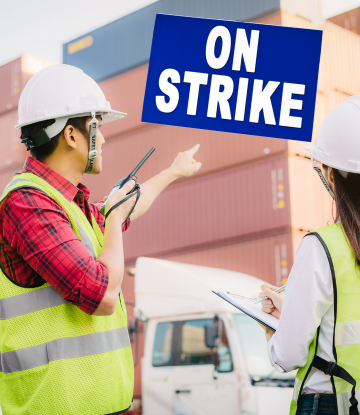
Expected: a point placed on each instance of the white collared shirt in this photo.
(308, 303)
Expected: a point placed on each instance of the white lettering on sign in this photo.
(195, 79)
(243, 49)
(169, 89)
(212, 60)
(222, 87)
(261, 100)
(241, 99)
(287, 104)
(216, 97)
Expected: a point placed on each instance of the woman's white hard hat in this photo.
(61, 92)
(338, 140)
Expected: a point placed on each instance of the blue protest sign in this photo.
(236, 77)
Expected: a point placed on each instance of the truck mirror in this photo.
(210, 336)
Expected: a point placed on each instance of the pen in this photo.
(279, 290)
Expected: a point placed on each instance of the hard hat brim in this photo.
(107, 115)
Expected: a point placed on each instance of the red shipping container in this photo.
(349, 20)
(218, 151)
(125, 93)
(12, 151)
(253, 199)
(14, 76)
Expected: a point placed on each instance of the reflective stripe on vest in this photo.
(64, 348)
(30, 302)
(345, 371)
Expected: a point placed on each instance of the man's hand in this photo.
(274, 304)
(184, 164)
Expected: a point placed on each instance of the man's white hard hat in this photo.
(61, 92)
(338, 140)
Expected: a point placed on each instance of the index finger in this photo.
(271, 287)
(193, 150)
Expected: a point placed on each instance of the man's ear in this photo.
(70, 136)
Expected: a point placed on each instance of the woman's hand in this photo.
(274, 304)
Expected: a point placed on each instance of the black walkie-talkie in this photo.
(122, 182)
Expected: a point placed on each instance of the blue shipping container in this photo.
(125, 43)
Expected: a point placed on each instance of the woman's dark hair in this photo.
(40, 153)
(347, 200)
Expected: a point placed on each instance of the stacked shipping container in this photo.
(13, 77)
(349, 20)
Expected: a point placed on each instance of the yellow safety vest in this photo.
(344, 372)
(54, 358)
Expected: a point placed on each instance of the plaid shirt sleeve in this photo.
(38, 229)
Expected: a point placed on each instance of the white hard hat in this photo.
(338, 140)
(61, 92)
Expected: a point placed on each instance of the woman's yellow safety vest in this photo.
(344, 372)
(54, 358)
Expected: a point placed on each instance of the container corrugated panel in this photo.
(218, 151)
(11, 148)
(10, 85)
(340, 57)
(125, 43)
(349, 20)
(311, 204)
(273, 19)
(308, 9)
(14, 76)
(125, 93)
(231, 205)
(269, 258)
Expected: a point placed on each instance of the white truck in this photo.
(202, 356)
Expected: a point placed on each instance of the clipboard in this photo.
(248, 307)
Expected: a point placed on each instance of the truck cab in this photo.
(184, 370)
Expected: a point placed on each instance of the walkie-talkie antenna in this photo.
(142, 162)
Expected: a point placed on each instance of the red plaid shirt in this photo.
(37, 243)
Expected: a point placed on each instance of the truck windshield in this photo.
(254, 346)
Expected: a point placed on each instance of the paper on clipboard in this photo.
(252, 310)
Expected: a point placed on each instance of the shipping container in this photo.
(269, 258)
(310, 203)
(125, 43)
(14, 76)
(218, 151)
(233, 204)
(272, 196)
(349, 20)
(308, 9)
(12, 151)
(340, 57)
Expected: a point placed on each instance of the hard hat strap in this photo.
(92, 143)
(322, 178)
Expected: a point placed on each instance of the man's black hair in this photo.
(40, 153)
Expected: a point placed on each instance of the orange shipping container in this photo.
(14, 76)
(349, 20)
(12, 151)
(272, 196)
(218, 151)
